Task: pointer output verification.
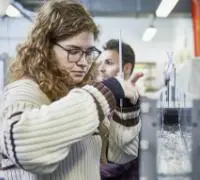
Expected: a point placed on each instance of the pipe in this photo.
(196, 25)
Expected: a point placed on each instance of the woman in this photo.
(52, 112)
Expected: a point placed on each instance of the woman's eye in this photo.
(74, 51)
(89, 53)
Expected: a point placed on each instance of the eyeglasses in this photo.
(74, 55)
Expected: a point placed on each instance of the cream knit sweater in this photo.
(41, 140)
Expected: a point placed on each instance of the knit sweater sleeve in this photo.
(37, 134)
(125, 126)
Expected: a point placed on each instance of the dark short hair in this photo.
(128, 54)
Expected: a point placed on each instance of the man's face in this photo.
(109, 64)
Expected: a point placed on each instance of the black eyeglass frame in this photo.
(82, 52)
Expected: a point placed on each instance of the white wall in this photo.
(12, 32)
(170, 35)
(173, 35)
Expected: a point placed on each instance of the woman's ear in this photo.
(128, 69)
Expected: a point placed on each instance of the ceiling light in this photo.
(149, 33)
(11, 11)
(165, 7)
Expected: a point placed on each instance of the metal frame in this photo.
(148, 141)
(196, 140)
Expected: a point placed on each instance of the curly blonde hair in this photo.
(56, 20)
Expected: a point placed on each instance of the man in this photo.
(109, 66)
(109, 60)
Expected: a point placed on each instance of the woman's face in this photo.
(70, 55)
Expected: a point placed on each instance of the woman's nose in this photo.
(83, 61)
